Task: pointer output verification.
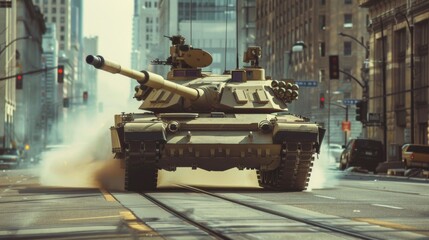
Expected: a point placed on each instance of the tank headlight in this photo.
(265, 126)
(173, 126)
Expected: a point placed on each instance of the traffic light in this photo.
(85, 97)
(322, 101)
(19, 81)
(60, 74)
(361, 111)
(334, 67)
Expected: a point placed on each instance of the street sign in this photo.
(306, 83)
(346, 126)
(374, 117)
(349, 101)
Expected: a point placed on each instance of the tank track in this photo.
(141, 172)
(293, 172)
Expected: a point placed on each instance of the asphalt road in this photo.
(34, 211)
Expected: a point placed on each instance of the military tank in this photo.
(214, 122)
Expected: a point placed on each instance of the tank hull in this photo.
(275, 145)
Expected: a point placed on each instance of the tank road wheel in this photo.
(293, 172)
(140, 176)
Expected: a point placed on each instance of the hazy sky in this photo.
(111, 21)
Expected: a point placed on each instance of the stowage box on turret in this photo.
(214, 122)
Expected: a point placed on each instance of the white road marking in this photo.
(386, 206)
(321, 196)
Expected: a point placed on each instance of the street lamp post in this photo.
(14, 40)
(365, 67)
(411, 30)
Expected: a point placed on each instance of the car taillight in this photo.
(412, 156)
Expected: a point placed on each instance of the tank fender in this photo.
(144, 131)
(287, 132)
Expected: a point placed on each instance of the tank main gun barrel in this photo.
(144, 77)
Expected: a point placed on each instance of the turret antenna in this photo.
(190, 22)
(236, 32)
(226, 32)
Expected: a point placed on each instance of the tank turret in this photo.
(215, 122)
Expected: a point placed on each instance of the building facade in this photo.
(20, 52)
(8, 67)
(90, 73)
(145, 36)
(246, 21)
(28, 116)
(51, 98)
(399, 71)
(67, 18)
(58, 12)
(316, 25)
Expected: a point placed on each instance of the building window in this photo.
(322, 49)
(54, 1)
(322, 22)
(322, 2)
(348, 20)
(62, 29)
(347, 48)
(62, 10)
(62, 19)
(348, 2)
(54, 19)
(63, 1)
(54, 10)
(62, 37)
(421, 69)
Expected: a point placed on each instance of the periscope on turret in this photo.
(197, 119)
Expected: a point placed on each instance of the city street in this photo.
(214, 119)
(379, 207)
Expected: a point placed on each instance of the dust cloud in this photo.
(325, 171)
(85, 161)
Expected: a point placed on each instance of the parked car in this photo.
(335, 151)
(415, 155)
(365, 153)
(10, 158)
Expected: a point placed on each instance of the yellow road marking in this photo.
(386, 224)
(90, 218)
(107, 196)
(135, 224)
